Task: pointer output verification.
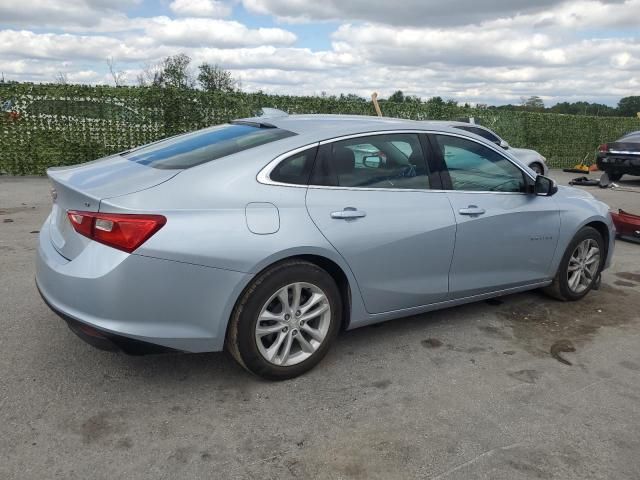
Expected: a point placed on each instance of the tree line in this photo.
(176, 71)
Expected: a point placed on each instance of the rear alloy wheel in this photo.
(285, 321)
(580, 267)
(293, 324)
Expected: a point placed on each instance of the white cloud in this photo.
(408, 12)
(213, 32)
(60, 13)
(490, 52)
(200, 8)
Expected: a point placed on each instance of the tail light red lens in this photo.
(122, 231)
(604, 148)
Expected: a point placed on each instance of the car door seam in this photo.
(355, 279)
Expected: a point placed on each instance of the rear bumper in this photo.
(107, 341)
(135, 303)
(619, 164)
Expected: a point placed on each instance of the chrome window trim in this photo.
(264, 174)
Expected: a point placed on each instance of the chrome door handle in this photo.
(348, 214)
(472, 210)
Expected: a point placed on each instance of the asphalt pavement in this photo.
(474, 392)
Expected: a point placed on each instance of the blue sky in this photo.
(490, 51)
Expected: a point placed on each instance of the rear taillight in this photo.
(122, 231)
(604, 148)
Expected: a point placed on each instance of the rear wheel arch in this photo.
(308, 272)
(331, 267)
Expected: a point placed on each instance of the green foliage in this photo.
(584, 108)
(175, 72)
(213, 78)
(51, 125)
(397, 97)
(629, 106)
(533, 103)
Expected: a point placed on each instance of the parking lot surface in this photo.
(478, 391)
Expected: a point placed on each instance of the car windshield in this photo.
(191, 149)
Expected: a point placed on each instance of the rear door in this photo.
(506, 237)
(370, 196)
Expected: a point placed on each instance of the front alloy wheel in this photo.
(583, 266)
(580, 267)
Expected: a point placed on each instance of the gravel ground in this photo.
(469, 392)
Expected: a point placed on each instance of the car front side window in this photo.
(474, 167)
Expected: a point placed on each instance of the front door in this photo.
(370, 198)
(506, 237)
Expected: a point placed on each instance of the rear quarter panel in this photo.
(207, 223)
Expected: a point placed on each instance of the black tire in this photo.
(241, 341)
(614, 177)
(537, 167)
(559, 289)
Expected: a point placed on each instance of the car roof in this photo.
(324, 126)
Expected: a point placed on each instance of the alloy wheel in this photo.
(293, 323)
(583, 265)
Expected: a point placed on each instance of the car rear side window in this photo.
(191, 149)
(295, 169)
(377, 161)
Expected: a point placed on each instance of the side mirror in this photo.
(545, 187)
(372, 161)
(504, 144)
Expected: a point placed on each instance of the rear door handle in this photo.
(348, 214)
(472, 210)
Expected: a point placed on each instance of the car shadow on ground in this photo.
(527, 322)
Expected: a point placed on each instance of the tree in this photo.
(629, 106)
(352, 97)
(397, 97)
(583, 108)
(118, 76)
(436, 101)
(176, 73)
(213, 78)
(151, 74)
(533, 103)
(61, 78)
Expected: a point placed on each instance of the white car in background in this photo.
(531, 158)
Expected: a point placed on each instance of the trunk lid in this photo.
(624, 148)
(82, 187)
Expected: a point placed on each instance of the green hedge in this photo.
(50, 125)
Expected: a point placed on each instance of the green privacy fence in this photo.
(51, 125)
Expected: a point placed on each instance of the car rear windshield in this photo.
(191, 149)
(631, 137)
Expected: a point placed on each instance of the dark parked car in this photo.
(620, 157)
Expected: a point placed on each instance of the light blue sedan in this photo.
(267, 236)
